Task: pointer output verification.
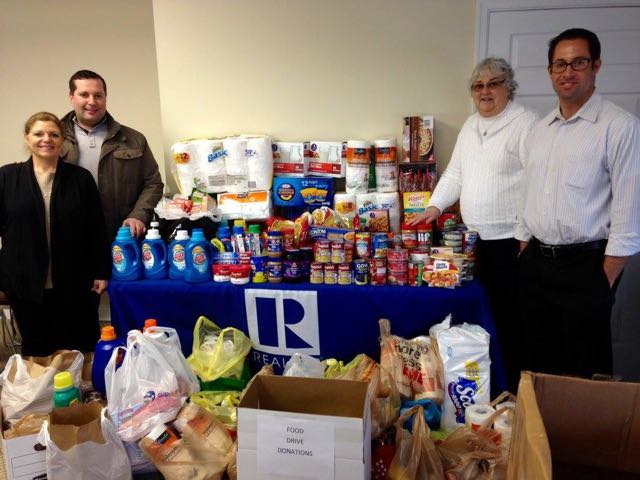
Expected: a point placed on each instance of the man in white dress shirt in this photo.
(580, 219)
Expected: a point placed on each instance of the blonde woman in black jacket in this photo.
(54, 261)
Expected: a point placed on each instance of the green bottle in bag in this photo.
(65, 392)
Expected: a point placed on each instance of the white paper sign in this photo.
(296, 448)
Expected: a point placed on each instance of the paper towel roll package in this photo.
(237, 164)
(476, 415)
(211, 164)
(386, 161)
(345, 204)
(259, 162)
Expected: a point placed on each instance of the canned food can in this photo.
(274, 244)
(317, 273)
(363, 244)
(469, 242)
(378, 271)
(344, 274)
(322, 251)
(337, 252)
(361, 271)
(398, 255)
(414, 274)
(330, 273)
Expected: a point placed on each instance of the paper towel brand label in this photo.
(216, 153)
(462, 393)
(249, 152)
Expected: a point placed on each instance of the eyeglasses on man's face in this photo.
(577, 64)
(490, 85)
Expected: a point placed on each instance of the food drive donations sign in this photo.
(295, 447)
(281, 323)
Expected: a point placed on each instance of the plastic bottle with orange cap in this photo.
(104, 348)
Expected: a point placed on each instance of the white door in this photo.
(519, 31)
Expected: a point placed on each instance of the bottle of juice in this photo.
(65, 393)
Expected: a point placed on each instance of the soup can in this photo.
(337, 252)
(330, 273)
(378, 271)
(380, 244)
(361, 271)
(322, 251)
(317, 273)
(344, 274)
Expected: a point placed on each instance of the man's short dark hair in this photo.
(574, 34)
(85, 75)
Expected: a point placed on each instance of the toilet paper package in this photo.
(464, 350)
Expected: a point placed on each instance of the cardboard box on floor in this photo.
(575, 428)
(277, 400)
(24, 457)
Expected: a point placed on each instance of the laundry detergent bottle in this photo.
(199, 257)
(177, 255)
(154, 255)
(65, 392)
(125, 255)
(104, 348)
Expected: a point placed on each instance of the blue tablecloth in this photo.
(321, 320)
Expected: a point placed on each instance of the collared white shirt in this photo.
(485, 171)
(582, 179)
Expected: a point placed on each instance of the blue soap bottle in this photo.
(154, 255)
(125, 255)
(199, 256)
(177, 255)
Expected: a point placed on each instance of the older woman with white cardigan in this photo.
(484, 173)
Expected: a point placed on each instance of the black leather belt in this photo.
(557, 251)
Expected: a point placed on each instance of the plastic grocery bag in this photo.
(303, 365)
(82, 443)
(218, 352)
(168, 343)
(382, 391)
(470, 455)
(143, 391)
(27, 386)
(414, 364)
(416, 457)
(223, 405)
(465, 357)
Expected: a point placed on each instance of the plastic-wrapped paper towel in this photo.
(260, 162)
(345, 204)
(237, 164)
(200, 164)
(357, 168)
(465, 358)
(386, 161)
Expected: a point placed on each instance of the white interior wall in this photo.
(311, 69)
(43, 43)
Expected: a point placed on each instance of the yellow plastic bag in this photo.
(218, 352)
(221, 404)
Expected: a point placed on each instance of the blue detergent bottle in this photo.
(154, 255)
(177, 255)
(125, 255)
(199, 257)
(104, 348)
(224, 235)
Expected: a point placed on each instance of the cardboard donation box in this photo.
(304, 428)
(575, 428)
(24, 456)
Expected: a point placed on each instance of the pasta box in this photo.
(289, 425)
(302, 192)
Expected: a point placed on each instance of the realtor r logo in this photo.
(296, 324)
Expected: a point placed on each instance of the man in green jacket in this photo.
(117, 156)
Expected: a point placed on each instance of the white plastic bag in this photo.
(167, 342)
(143, 391)
(464, 350)
(88, 460)
(27, 387)
(303, 365)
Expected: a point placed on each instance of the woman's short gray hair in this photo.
(496, 66)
